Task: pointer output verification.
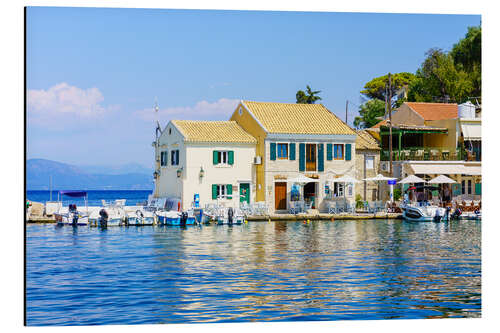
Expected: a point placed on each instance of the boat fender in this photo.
(139, 213)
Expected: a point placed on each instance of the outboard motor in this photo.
(230, 214)
(184, 216)
(103, 220)
(437, 217)
(447, 214)
(456, 214)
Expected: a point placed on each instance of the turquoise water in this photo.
(260, 271)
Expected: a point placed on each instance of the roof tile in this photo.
(213, 131)
(435, 111)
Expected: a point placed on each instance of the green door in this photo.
(245, 192)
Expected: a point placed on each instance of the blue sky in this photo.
(93, 73)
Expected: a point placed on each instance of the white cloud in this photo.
(58, 105)
(203, 110)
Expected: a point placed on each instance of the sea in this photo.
(94, 197)
(257, 271)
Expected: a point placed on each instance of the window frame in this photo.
(278, 150)
(372, 158)
(174, 157)
(220, 155)
(335, 157)
(164, 158)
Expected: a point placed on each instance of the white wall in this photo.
(201, 155)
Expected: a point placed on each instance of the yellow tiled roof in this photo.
(297, 118)
(213, 131)
(365, 140)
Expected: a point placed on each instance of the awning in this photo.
(471, 131)
(449, 169)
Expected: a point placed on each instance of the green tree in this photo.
(308, 97)
(376, 88)
(466, 55)
(369, 112)
(439, 79)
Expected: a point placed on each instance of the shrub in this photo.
(359, 201)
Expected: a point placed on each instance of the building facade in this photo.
(368, 165)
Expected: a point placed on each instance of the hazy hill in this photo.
(69, 177)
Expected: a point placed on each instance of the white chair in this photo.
(332, 209)
(372, 208)
(339, 206)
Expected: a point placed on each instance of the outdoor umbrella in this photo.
(441, 179)
(411, 179)
(344, 179)
(379, 178)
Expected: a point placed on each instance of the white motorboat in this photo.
(424, 212)
(112, 214)
(140, 217)
(72, 215)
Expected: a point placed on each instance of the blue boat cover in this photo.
(74, 194)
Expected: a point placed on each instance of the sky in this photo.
(93, 74)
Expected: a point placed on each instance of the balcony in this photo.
(430, 154)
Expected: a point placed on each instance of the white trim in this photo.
(320, 138)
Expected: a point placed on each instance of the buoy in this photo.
(246, 221)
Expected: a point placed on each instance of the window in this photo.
(223, 157)
(282, 151)
(463, 186)
(370, 162)
(338, 189)
(469, 186)
(338, 151)
(174, 157)
(240, 111)
(163, 158)
(222, 191)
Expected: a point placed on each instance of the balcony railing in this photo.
(428, 154)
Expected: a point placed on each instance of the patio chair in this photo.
(434, 154)
(372, 208)
(419, 155)
(332, 207)
(351, 208)
(445, 154)
(426, 155)
(468, 205)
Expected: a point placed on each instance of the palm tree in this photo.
(308, 97)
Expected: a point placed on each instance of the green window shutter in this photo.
(329, 154)
(229, 189)
(230, 157)
(214, 192)
(273, 151)
(321, 158)
(457, 189)
(477, 189)
(292, 151)
(348, 152)
(216, 157)
(302, 156)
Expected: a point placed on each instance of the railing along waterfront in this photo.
(428, 154)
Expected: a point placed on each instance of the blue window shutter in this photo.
(292, 151)
(348, 152)
(177, 157)
(216, 157)
(321, 157)
(302, 156)
(273, 151)
(329, 155)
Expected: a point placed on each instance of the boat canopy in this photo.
(74, 194)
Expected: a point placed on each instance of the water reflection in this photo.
(256, 271)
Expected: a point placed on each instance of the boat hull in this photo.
(175, 221)
(424, 213)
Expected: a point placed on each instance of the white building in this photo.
(213, 159)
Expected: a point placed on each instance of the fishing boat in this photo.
(140, 217)
(230, 216)
(175, 218)
(424, 212)
(72, 215)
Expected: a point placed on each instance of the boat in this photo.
(112, 214)
(140, 217)
(424, 212)
(230, 216)
(175, 218)
(72, 216)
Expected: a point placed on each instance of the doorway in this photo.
(245, 192)
(310, 194)
(280, 196)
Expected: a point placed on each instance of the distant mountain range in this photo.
(70, 177)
